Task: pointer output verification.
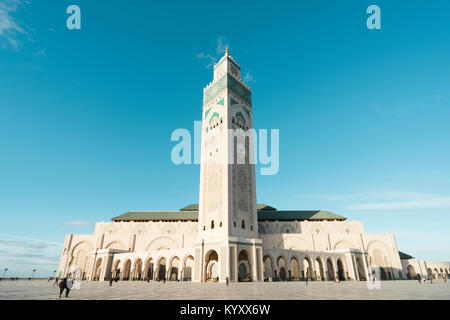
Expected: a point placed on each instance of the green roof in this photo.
(265, 212)
(298, 215)
(191, 207)
(263, 206)
(157, 215)
(405, 256)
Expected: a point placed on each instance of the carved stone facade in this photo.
(228, 236)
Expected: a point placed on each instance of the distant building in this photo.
(413, 267)
(228, 235)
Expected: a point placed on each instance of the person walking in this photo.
(69, 285)
(62, 286)
(226, 280)
(419, 278)
(56, 281)
(110, 281)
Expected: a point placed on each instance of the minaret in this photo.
(228, 243)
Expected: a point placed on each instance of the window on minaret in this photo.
(243, 224)
(220, 224)
(212, 224)
(251, 228)
(234, 224)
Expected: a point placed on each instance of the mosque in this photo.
(228, 236)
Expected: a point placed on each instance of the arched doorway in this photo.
(126, 270)
(116, 270)
(80, 256)
(98, 269)
(307, 267)
(320, 275)
(137, 272)
(383, 274)
(360, 268)
(244, 270)
(282, 267)
(411, 275)
(295, 269)
(161, 269)
(268, 268)
(212, 266)
(148, 269)
(283, 276)
(174, 269)
(188, 267)
(381, 263)
(340, 270)
(330, 269)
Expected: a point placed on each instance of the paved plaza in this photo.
(41, 289)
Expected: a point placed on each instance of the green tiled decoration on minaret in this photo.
(207, 111)
(227, 81)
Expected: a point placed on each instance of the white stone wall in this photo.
(123, 241)
(435, 269)
(326, 236)
(125, 237)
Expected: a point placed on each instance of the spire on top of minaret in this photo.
(225, 65)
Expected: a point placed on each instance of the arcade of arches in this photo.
(280, 245)
(318, 269)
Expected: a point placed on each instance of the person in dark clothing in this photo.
(62, 286)
(56, 281)
(419, 278)
(111, 281)
(69, 285)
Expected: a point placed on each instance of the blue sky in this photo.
(86, 115)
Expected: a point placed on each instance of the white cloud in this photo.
(23, 244)
(211, 60)
(222, 44)
(20, 254)
(248, 78)
(406, 107)
(389, 200)
(30, 239)
(10, 30)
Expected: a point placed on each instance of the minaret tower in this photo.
(228, 245)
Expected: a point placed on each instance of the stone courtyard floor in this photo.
(126, 290)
